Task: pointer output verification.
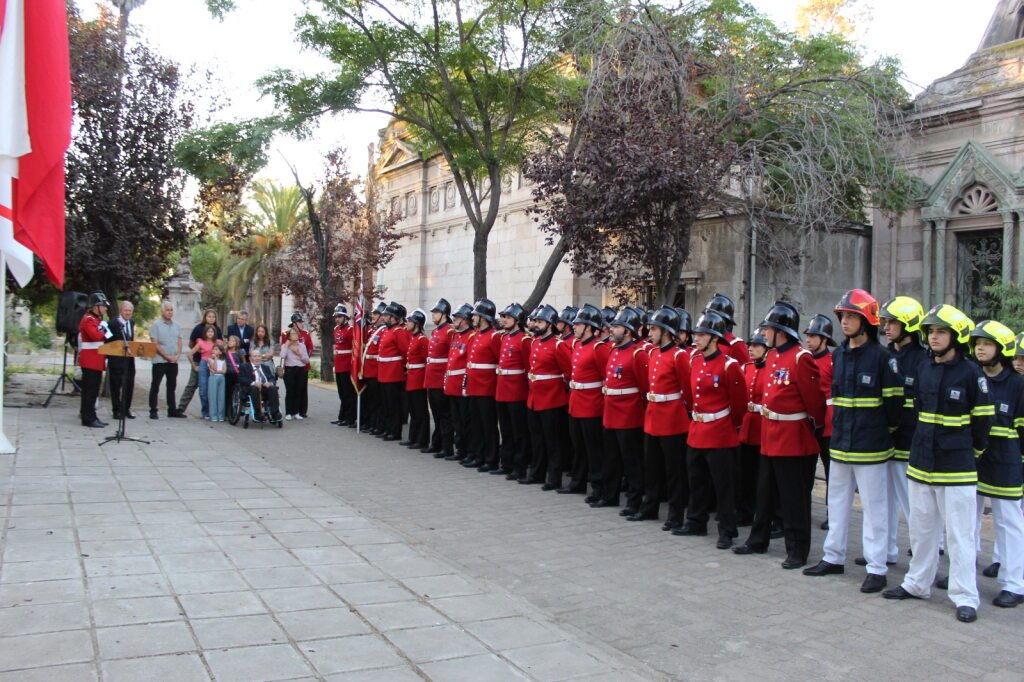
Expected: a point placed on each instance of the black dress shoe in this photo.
(351, 425)
(154, 415)
(430, 451)
(499, 472)
(512, 476)
(484, 468)
(824, 524)
(627, 511)
(1008, 600)
(825, 568)
(570, 490)
(529, 480)
(690, 529)
(724, 542)
(452, 458)
(389, 438)
(336, 421)
(406, 443)
(130, 415)
(471, 463)
(747, 549)
(991, 571)
(898, 593)
(669, 526)
(601, 504)
(873, 583)
(942, 583)
(966, 614)
(640, 516)
(861, 561)
(793, 562)
(590, 499)
(549, 486)
(95, 424)
(413, 446)
(177, 414)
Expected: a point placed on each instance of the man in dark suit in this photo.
(259, 381)
(122, 370)
(243, 330)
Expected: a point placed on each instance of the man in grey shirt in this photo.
(166, 334)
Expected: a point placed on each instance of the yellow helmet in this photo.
(997, 332)
(903, 309)
(1018, 344)
(945, 315)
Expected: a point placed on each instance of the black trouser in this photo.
(295, 386)
(665, 477)
(346, 397)
(515, 450)
(460, 424)
(391, 406)
(824, 445)
(122, 377)
(419, 420)
(443, 438)
(230, 381)
(624, 452)
(547, 429)
(483, 412)
(747, 459)
(784, 483)
(161, 370)
(588, 453)
(190, 388)
(711, 470)
(370, 417)
(91, 379)
(267, 397)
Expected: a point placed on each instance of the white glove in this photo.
(103, 327)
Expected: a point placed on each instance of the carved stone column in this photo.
(1020, 244)
(1007, 273)
(926, 263)
(940, 260)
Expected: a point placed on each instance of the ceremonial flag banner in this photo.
(357, 345)
(35, 130)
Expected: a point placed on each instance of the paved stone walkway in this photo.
(195, 558)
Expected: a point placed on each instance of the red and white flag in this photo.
(357, 344)
(35, 130)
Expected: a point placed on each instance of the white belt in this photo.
(776, 417)
(437, 361)
(663, 397)
(703, 417)
(371, 357)
(507, 372)
(481, 365)
(620, 391)
(456, 372)
(543, 377)
(420, 366)
(394, 359)
(754, 407)
(829, 401)
(584, 386)
(342, 352)
(90, 345)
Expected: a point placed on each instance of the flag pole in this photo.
(6, 448)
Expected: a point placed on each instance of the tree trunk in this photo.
(480, 262)
(327, 346)
(666, 290)
(546, 274)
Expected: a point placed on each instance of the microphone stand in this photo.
(119, 435)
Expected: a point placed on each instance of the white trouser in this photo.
(899, 500)
(930, 506)
(997, 552)
(871, 481)
(1008, 518)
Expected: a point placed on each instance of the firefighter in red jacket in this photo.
(588, 357)
(371, 394)
(415, 393)
(481, 384)
(510, 394)
(666, 423)
(723, 305)
(817, 339)
(394, 345)
(455, 380)
(625, 393)
(442, 441)
(719, 401)
(343, 368)
(546, 401)
(756, 377)
(793, 407)
(93, 332)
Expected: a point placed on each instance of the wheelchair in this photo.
(241, 407)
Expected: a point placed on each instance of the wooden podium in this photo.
(136, 349)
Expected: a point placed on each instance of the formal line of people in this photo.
(645, 408)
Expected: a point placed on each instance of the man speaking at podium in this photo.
(122, 369)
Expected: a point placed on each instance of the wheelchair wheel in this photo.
(235, 406)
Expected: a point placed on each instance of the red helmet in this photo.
(860, 302)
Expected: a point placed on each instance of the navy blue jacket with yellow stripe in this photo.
(909, 359)
(867, 397)
(999, 468)
(954, 414)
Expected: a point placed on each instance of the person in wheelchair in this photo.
(258, 381)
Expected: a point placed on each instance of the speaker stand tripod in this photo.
(63, 374)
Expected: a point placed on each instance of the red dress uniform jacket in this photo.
(547, 374)
(437, 356)
(512, 383)
(668, 392)
(719, 401)
(304, 337)
(394, 345)
(792, 394)
(737, 349)
(482, 365)
(343, 348)
(416, 362)
(586, 378)
(825, 370)
(625, 387)
(756, 378)
(370, 352)
(458, 354)
(90, 337)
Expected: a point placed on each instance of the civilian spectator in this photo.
(295, 358)
(166, 334)
(209, 319)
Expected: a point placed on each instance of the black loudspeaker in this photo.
(72, 307)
